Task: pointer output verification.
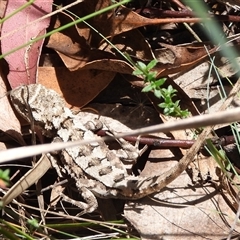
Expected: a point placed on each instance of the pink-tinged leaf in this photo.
(23, 63)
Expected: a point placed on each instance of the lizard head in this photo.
(36, 103)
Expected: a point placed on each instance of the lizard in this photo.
(96, 170)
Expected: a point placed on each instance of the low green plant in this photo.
(4, 176)
(153, 84)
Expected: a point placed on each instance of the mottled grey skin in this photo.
(95, 169)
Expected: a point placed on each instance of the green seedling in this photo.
(170, 107)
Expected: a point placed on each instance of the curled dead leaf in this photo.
(77, 87)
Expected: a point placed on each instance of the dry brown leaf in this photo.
(118, 20)
(31, 177)
(55, 195)
(8, 121)
(74, 49)
(182, 58)
(114, 65)
(78, 87)
(124, 20)
(203, 87)
(71, 47)
(101, 22)
(181, 210)
(182, 213)
(75, 52)
(133, 43)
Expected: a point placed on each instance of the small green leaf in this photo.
(162, 105)
(142, 66)
(152, 64)
(168, 111)
(158, 93)
(185, 113)
(171, 89)
(160, 82)
(151, 77)
(147, 88)
(4, 175)
(176, 104)
(137, 72)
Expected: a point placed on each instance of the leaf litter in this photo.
(90, 73)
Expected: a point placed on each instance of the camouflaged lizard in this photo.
(96, 170)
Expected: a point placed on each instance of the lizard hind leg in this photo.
(89, 206)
